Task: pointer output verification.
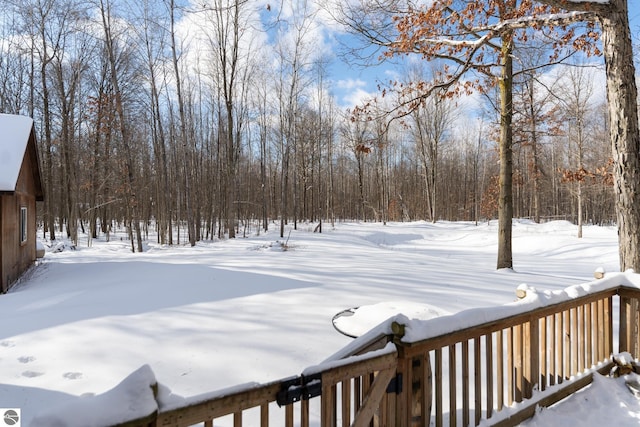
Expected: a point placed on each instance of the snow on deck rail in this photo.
(419, 330)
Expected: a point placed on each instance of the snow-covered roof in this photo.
(14, 136)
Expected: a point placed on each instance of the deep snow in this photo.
(238, 311)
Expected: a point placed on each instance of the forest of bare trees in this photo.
(212, 120)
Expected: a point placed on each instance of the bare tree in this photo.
(294, 61)
(187, 163)
(152, 34)
(229, 35)
(69, 65)
(431, 121)
(263, 108)
(577, 94)
(133, 219)
(357, 135)
(537, 119)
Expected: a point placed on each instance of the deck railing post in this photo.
(403, 390)
(629, 322)
(414, 384)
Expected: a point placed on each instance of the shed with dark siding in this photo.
(20, 188)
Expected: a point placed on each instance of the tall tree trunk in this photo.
(330, 211)
(505, 202)
(433, 173)
(359, 156)
(623, 126)
(263, 164)
(284, 184)
(69, 168)
(230, 171)
(580, 196)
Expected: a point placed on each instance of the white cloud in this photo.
(356, 97)
(393, 75)
(350, 83)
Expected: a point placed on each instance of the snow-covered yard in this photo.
(230, 312)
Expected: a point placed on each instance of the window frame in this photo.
(24, 227)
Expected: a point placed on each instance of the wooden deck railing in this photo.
(460, 377)
(479, 370)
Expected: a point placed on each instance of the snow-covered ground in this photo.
(246, 310)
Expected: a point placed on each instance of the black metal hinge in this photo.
(395, 385)
(299, 388)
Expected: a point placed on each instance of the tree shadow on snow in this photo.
(65, 293)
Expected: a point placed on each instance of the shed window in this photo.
(23, 225)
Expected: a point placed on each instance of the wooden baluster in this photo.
(636, 325)
(633, 327)
(517, 362)
(625, 324)
(566, 333)
(530, 357)
(500, 368)
(489, 373)
(543, 352)
(527, 354)
(477, 377)
(346, 402)
(589, 335)
(510, 367)
(357, 393)
(304, 413)
(452, 386)
(559, 348)
(334, 405)
(552, 350)
(288, 415)
(601, 333)
(264, 415)
(573, 338)
(580, 326)
(438, 387)
(327, 405)
(465, 383)
(610, 324)
(534, 352)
